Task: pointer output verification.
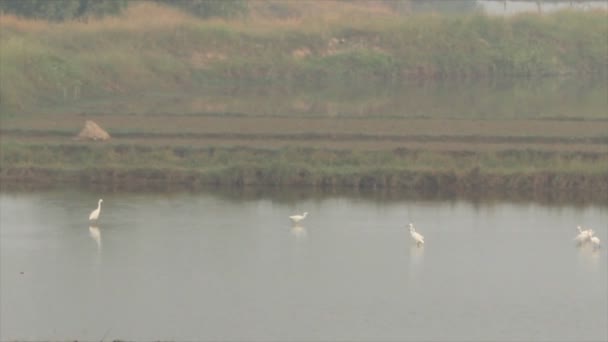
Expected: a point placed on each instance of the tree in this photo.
(451, 6)
(61, 10)
(210, 8)
(99, 8)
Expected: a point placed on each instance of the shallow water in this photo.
(511, 7)
(208, 266)
(502, 7)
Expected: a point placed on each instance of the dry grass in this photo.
(307, 11)
(137, 18)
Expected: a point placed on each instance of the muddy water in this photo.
(208, 266)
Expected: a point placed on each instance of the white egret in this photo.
(95, 213)
(298, 218)
(595, 241)
(583, 235)
(416, 236)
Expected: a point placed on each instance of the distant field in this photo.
(338, 133)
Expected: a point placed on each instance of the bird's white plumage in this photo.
(298, 218)
(418, 238)
(95, 213)
(583, 235)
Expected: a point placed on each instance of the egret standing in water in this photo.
(95, 213)
(416, 236)
(297, 218)
(583, 235)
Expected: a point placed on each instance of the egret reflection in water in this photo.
(416, 262)
(416, 255)
(299, 231)
(595, 242)
(358, 268)
(95, 235)
(588, 255)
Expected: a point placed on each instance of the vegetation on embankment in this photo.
(155, 48)
(133, 167)
(53, 76)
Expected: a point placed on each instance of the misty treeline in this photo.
(62, 10)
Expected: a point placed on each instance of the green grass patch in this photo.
(522, 172)
(288, 161)
(46, 63)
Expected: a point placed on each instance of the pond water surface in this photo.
(207, 266)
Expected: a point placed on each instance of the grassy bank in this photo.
(352, 107)
(524, 172)
(48, 64)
